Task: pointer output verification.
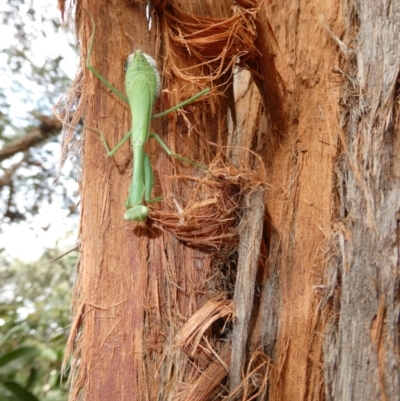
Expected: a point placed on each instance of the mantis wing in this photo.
(141, 88)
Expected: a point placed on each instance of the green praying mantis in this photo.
(142, 84)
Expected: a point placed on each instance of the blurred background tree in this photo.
(35, 75)
(37, 62)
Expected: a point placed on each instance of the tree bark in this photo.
(332, 292)
(137, 283)
(321, 109)
(362, 344)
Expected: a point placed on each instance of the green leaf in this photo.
(50, 354)
(6, 336)
(32, 377)
(17, 359)
(20, 394)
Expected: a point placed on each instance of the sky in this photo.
(51, 227)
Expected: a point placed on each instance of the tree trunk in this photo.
(318, 317)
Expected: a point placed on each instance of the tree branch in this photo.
(49, 126)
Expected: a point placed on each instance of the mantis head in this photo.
(141, 63)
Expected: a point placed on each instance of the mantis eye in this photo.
(128, 61)
(153, 65)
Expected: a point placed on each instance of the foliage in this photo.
(34, 310)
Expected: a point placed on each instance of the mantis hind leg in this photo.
(175, 155)
(111, 152)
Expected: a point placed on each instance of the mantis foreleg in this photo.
(182, 104)
(95, 72)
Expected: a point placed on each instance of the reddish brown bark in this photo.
(323, 321)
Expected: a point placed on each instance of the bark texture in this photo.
(137, 284)
(113, 274)
(319, 312)
(300, 162)
(330, 300)
(362, 342)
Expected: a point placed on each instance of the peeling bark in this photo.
(361, 344)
